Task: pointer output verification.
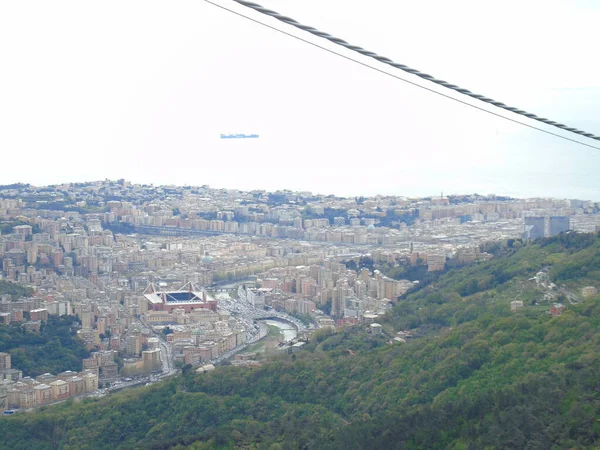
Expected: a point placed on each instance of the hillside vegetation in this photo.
(480, 377)
(16, 291)
(54, 349)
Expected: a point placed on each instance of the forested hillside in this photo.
(54, 349)
(16, 291)
(480, 377)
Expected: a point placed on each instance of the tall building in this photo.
(557, 225)
(535, 227)
(133, 344)
(86, 319)
(4, 360)
(256, 297)
(39, 314)
(436, 262)
(153, 343)
(152, 360)
(3, 399)
(42, 393)
(60, 389)
(27, 398)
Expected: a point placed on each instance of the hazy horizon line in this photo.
(339, 195)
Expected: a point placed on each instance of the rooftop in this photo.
(188, 293)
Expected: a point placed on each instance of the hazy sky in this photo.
(142, 90)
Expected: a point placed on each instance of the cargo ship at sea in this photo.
(239, 136)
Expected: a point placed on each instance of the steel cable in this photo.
(388, 61)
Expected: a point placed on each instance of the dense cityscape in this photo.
(157, 278)
(299, 226)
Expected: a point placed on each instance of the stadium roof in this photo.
(186, 294)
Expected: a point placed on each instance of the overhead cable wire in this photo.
(407, 69)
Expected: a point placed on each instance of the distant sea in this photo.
(520, 164)
(517, 169)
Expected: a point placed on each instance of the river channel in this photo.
(289, 331)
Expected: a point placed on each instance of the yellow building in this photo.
(27, 399)
(76, 386)
(90, 381)
(60, 390)
(152, 360)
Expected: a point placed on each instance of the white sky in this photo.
(142, 90)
